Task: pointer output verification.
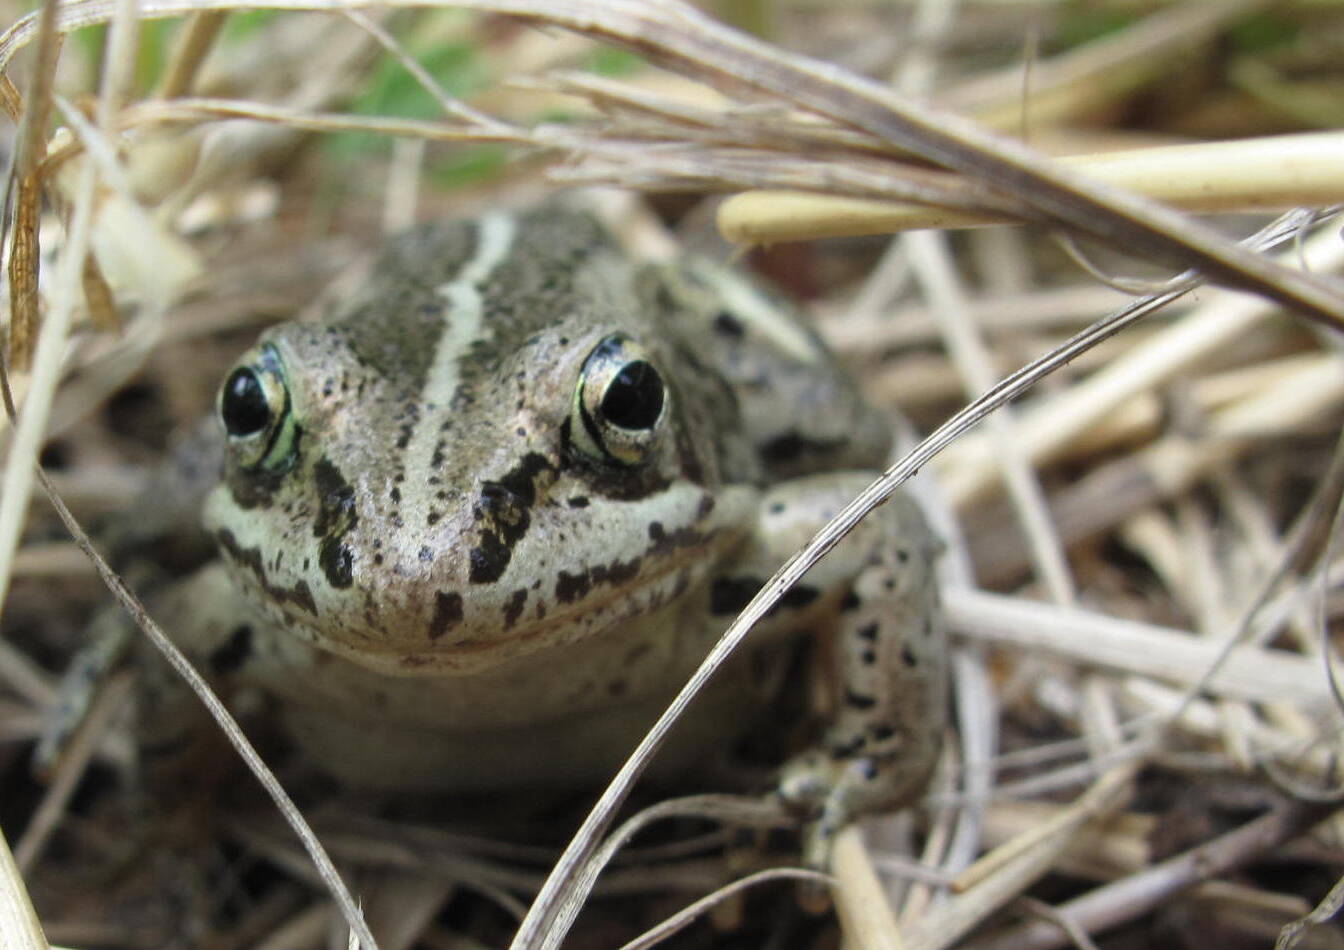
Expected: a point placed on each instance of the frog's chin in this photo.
(429, 664)
(464, 659)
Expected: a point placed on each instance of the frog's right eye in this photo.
(254, 408)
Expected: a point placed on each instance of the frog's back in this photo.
(778, 404)
(395, 322)
(799, 411)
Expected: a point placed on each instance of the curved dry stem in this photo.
(688, 915)
(1132, 896)
(1266, 174)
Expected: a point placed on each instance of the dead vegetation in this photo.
(1141, 576)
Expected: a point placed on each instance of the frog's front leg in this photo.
(206, 620)
(214, 628)
(887, 654)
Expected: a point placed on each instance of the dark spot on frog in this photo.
(867, 632)
(868, 657)
(571, 587)
(230, 655)
(908, 657)
(798, 596)
(728, 595)
(617, 688)
(503, 515)
(791, 446)
(488, 559)
(336, 517)
(777, 508)
(858, 700)
(727, 325)
(426, 554)
(661, 542)
(902, 555)
(447, 613)
(337, 562)
(882, 731)
(514, 608)
(851, 601)
(300, 594)
(578, 501)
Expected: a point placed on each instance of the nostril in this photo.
(495, 495)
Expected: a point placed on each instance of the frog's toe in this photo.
(805, 782)
(829, 790)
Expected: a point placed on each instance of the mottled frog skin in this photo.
(479, 525)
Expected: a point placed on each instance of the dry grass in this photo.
(1140, 578)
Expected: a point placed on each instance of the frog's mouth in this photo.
(300, 595)
(588, 601)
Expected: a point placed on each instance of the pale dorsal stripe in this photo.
(463, 323)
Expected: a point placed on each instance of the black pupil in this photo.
(634, 397)
(244, 407)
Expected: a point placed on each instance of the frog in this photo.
(478, 524)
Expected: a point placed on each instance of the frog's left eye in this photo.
(620, 402)
(254, 408)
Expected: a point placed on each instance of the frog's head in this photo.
(489, 451)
